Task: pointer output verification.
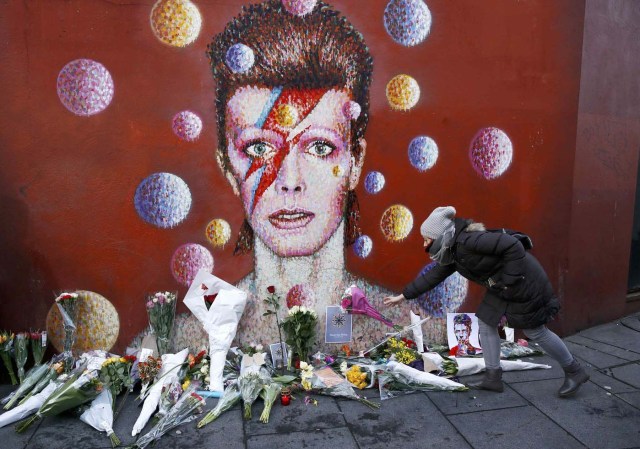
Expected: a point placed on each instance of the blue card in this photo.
(338, 327)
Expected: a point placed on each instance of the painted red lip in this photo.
(291, 218)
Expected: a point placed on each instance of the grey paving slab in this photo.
(451, 403)
(521, 427)
(8, 437)
(625, 354)
(608, 382)
(410, 421)
(596, 419)
(63, 432)
(297, 416)
(594, 357)
(632, 321)
(315, 439)
(632, 398)
(629, 373)
(614, 334)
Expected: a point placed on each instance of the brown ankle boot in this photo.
(574, 376)
(492, 381)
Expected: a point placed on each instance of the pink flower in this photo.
(149, 304)
(357, 303)
(523, 342)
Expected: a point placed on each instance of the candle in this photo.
(285, 396)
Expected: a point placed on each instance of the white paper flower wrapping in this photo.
(29, 407)
(417, 331)
(99, 415)
(421, 377)
(168, 373)
(220, 321)
(468, 366)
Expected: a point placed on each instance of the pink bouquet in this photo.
(354, 302)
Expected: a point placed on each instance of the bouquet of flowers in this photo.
(148, 370)
(55, 369)
(170, 395)
(183, 412)
(300, 328)
(360, 377)
(21, 343)
(465, 366)
(397, 377)
(269, 394)
(401, 350)
(229, 399)
(220, 320)
(100, 416)
(306, 374)
(161, 307)
(355, 302)
(80, 388)
(250, 385)
(115, 374)
(33, 377)
(68, 305)
(328, 382)
(38, 345)
(29, 407)
(171, 363)
(6, 341)
(512, 350)
(273, 302)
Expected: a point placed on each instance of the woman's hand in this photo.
(393, 300)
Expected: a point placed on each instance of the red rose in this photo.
(271, 289)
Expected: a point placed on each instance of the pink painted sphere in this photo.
(187, 126)
(85, 87)
(299, 7)
(491, 152)
(187, 260)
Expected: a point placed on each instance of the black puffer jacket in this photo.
(517, 285)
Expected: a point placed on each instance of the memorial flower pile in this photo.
(161, 308)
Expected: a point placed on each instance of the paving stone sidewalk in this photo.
(604, 414)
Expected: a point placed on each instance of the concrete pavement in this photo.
(605, 413)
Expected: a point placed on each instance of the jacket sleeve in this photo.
(507, 248)
(425, 282)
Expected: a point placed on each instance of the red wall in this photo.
(67, 182)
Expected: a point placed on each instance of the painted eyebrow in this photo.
(252, 134)
(323, 133)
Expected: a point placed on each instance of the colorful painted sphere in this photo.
(300, 295)
(351, 110)
(97, 324)
(408, 22)
(446, 297)
(299, 7)
(218, 232)
(396, 223)
(491, 152)
(363, 246)
(374, 182)
(187, 125)
(176, 22)
(286, 115)
(423, 153)
(187, 260)
(163, 200)
(85, 87)
(239, 58)
(403, 92)
(337, 171)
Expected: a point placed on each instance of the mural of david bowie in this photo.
(291, 144)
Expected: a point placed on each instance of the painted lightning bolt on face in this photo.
(284, 147)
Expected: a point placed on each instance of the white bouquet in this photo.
(171, 364)
(472, 365)
(99, 415)
(400, 377)
(28, 407)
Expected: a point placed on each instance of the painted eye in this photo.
(321, 148)
(259, 150)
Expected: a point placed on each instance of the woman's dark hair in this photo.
(317, 50)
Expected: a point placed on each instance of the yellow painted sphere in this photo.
(396, 223)
(176, 22)
(218, 232)
(97, 324)
(403, 92)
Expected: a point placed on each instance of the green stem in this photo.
(7, 363)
